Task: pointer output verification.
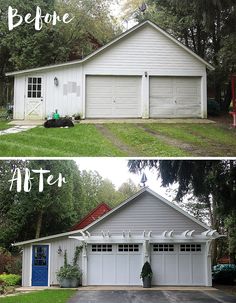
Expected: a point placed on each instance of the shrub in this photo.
(10, 280)
(213, 107)
(146, 270)
(224, 273)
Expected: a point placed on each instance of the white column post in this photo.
(204, 96)
(146, 251)
(145, 96)
(84, 264)
(208, 273)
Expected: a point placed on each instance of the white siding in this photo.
(66, 97)
(55, 261)
(146, 212)
(26, 265)
(144, 50)
(19, 97)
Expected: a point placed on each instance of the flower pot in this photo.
(69, 283)
(147, 282)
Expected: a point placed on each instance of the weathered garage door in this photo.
(178, 264)
(114, 264)
(175, 97)
(113, 97)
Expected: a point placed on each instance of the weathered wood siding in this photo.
(148, 213)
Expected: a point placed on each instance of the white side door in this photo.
(34, 101)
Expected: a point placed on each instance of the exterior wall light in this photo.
(56, 82)
(146, 74)
(59, 251)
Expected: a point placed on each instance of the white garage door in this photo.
(113, 97)
(114, 264)
(177, 264)
(175, 97)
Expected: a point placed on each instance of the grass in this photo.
(82, 140)
(44, 296)
(4, 124)
(171, 140)
(144, 143)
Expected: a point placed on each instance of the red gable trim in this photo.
(96, 213)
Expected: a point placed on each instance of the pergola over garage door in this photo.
(113, 97)
(114, 264)
(172, 97)
(178, 264)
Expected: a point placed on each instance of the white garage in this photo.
(114, 264)
(145, 227)
(175, 97)
(178, 264)
(143, 73)
(113, 97)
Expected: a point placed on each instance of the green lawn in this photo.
(118, 139)
(4, 125)
(44, 296)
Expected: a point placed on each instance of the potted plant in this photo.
(146, 275)
(69, 275)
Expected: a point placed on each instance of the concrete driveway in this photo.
(154, 296)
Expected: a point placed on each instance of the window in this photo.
(40, 255)
(101, 247)
(190, 247)
(163, 247)
(34, 87)
(128, 247)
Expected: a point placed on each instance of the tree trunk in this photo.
(39, 224)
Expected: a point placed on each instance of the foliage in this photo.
(211, 182)
(44, 296)
(224, 273)
(205, 26)
(70, 271)
(213, 107)
(10, 279)
(146, 270)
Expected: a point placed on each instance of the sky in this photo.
(116, 11)
(116, 170)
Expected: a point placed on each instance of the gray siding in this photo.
(148, 213)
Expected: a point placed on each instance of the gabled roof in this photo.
(120, 37)
(112, 212)
(95, 214)
(146, 189)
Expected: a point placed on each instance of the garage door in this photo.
(177, 264)
(175, 97)
(114, 264)
(113, 97)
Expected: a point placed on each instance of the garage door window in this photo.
(101, 247)
(190, 247)
(128, 247)
(163, 247)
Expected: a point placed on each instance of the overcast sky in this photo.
(117, 171)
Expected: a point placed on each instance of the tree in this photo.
(33, 214)
(205, 26)
(24, 47)
(211, 182)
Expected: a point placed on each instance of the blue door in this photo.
(40, 265)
